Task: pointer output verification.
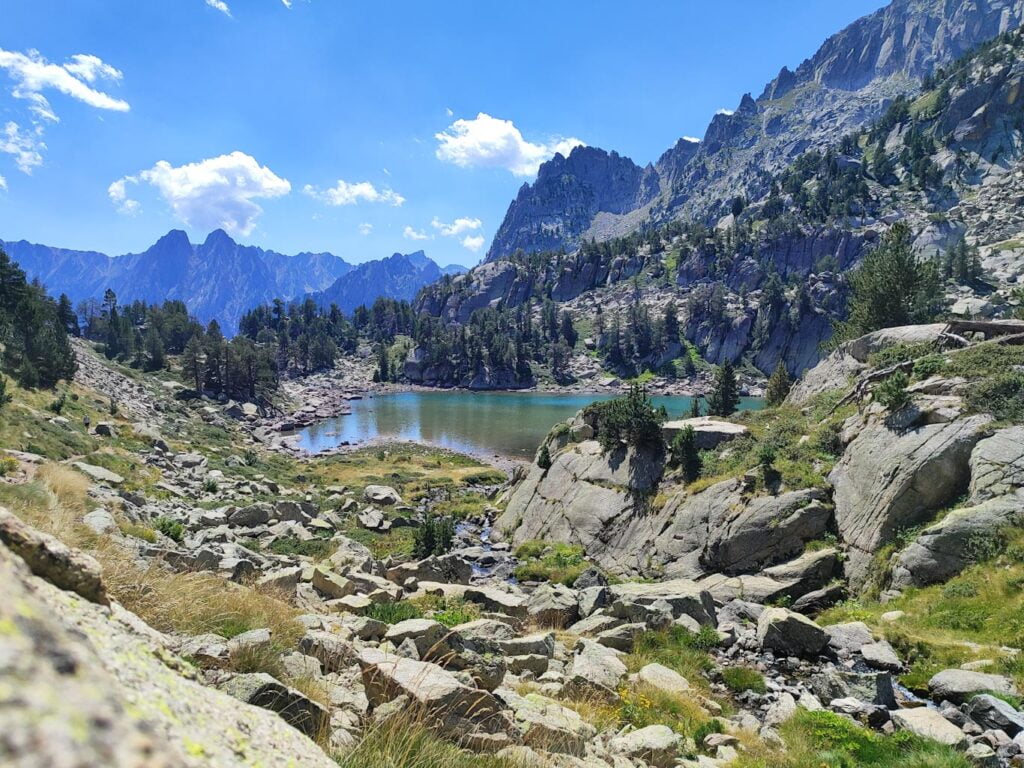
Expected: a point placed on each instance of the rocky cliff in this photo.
(847, 83)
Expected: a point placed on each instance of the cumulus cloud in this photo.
(457, 227)
(287, 3)
(411, 234)
(216, 192)
(365, 228)
(344, 193)
(489, 142)
(220, 5)
(691, 139)
(3, 183)
(25, 146)
(33, 74)
(726, 112)
(473, 242)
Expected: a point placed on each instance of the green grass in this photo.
(972, 616)
(406, 743)
(392, 613)
(318, 547)
(740, 679)
(827, 740)
(550, 561)
(172, 529)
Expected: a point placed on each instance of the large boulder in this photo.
(656, 745)
(789, 633)
(51, 559)
(553, 605)
(709, 433)
(887, 481)
(997, 465)
(943, 550)
(262, 690)
(384, 495)
(960, 685)
(89, 685)
(682, 596)
(548, 726)
(582, 497)
(466, 714)
(928, 724)
(995, 714)
(596, 670)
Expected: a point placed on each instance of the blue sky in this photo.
(360, 128)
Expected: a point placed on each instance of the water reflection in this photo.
(504, 423)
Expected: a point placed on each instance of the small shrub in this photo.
(172, 529)
(740, 679)
(392, 613)
(929, 365)
(544, 457)
(317, 548)
(434, 537)
(58, 404)
(138, 531)
(892, 393)
(8, 466)
(684, 453)
(1001, 395)
(210, 485)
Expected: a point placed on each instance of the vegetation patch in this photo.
(550, 561)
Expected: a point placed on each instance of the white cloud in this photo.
(411, 234)
(489, 142)
(726, 112)
(33, 74)
(457, 227)
(448, 111)
(691, 139)
(118, 194)
(287, 3)
(344, 193)
(3, 183)
(365, 228)
(220, 5)
(25, 146)
(216, 192)
(473, 242)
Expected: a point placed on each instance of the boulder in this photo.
(466, 714)
(250, 516)
(881, 655)
(100, 521)
(552, 605)
(789, 633)
(547, 725)
(595, 669)
(333, 651)
(683, 596)
(959, 685)
(99, 474)
(427, 634)
(90, 685)
(656, 745)
(995, 714)
(928, 724)
(997, 464)
(849, 637)
(51, 559)
(663, 679)
(873, 688)
(709, 432)
(887, 481)
(384, 495)
(498, 601)
(944, 549)
(622, 637)
(331, 585)
(262, 690)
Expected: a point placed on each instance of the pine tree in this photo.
(155, 357)
(685, 454)
(891, 288)
(725, 396)
(383, 366)
(192, 360)
(694, 407)
(778, 387)
(5, 398)
(66, 315)
(544, 457)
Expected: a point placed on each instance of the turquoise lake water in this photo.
(508, 424)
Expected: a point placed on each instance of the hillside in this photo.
(847, 83)
(768, 282)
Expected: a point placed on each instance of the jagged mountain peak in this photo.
(846, 83)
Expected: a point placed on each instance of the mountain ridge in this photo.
(218, 279)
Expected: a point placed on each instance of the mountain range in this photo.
(847, 83)
(219, 279)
